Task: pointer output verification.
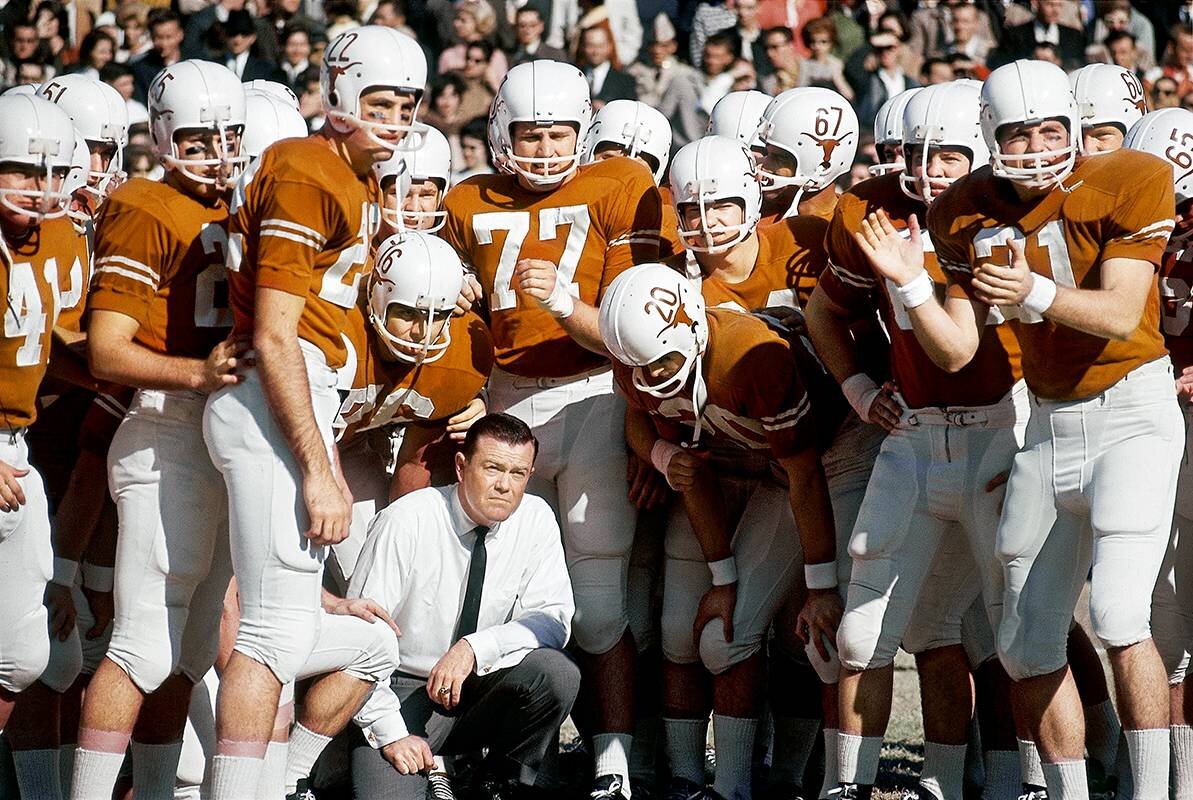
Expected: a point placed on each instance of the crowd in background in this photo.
(679, 56)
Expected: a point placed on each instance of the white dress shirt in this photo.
(415, 565)
(1049, 33)
(237, 63)
(597, 75)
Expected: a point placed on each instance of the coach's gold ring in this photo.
(443, 690)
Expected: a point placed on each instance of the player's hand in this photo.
(996, 483)
(458, 425)
(718, 603)
(647, 487)
(61, 606)
(535, 278)
(819, 618)
(409, 755)
(789, 319)
(12, 496)
(103, 611)
(361, 608)
(1184, 384)
(683, 468)
(1003, 284)
(329, 508)
(470, 295)
(893, 257)
(225, 364)
(447, 676)
(885, 411)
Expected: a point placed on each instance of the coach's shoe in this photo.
(851, 791)
(680, 789)
(784, 791)
(439, 787)
(302, 791)
(1034, 794)
(608, 787)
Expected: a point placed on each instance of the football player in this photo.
(1110, 100)
(714, 398)
(1071, 247)
(1168, 134)
(37, 250)
(546, 237)
(738, 115)
(413, 185)
(271, 120)
(809, 136)
(302, 219)
(888, 133)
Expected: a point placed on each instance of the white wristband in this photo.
(64, 571)
(97, 578)
(821, 576)
(560, 303)
(861, 391)
(917, 291)
(661, 455)
(724, 572)
(1040, 296)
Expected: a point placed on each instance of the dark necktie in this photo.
(470, 611)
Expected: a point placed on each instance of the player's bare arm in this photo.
(114, 356)
(536, 279)
(284, 378)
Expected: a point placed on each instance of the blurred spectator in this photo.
(752, 48)
(970, 33)
(24, 47)
(850, 34)
(474, 22)
(1187, 102)
(934, 71)
(96, 52)
(885, 80)
(1118, 16)
(784, 59)
(474, 150)
(270, 25)
(823, 68)
(165, 29)
(605, 81)
(341, 16)
(1019, 41)
(933, 27)
(666, 83)
(1178, 60)
(241, 36)
(133, 20)
(529, 28)
(478, 93)
(296, 54)
(864, 61)
(310, 99)
(140, 163)
(793, 15)
(1122, 49)
(1018, 12)
(965, 67)
(710, 18)
(441, 109)
(120, 78)
(1046, 51)
(203, 33)
(621, 18)
(1164, 93)
(859, 172)
(53, 33)
(392, 14)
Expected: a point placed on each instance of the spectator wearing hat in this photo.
(241, 35)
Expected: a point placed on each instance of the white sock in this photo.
(1003, 776)
(830, 763)
(1149, 762)
(305, 747)
(685, 740)
(95, 774)
(613, 756)
(943, 775)
(857, 758)
(232, 775)
(1030, 767)
(1182, 761)
(66, 766)
(155, 767)
(734, 741)
(795, 739)
(1101, 735)
(272, 782)
(1066, 780)
(37, 773)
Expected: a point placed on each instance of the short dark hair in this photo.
(530, 10)
(160, 16)
(1118, 36)
(504, 428)
(114, 71)
(476, 128)
(726, 38)
(484, 45)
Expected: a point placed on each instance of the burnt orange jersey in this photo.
(852, 283)
(385, 391)
(1117, 205)
(757, 403)
(32, 273)
(670, 244)
(791, 257)
(159, 258)
(1176, 301)
(74, 291)
(595, 226)
(301, 223)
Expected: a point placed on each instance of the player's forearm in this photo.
(582, 326)
(829, 329)
(947, 333)
(811, 507)
(640, 433)
(1099, 312)
(123, 361)
(284, 379)
(705, 506)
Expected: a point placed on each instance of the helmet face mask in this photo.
(199, 99)
(544, 170)
(631, 128)
(101, 116)
(941, 129)
(417, 279)
(427, 172)
(710, 173)
(38, 147)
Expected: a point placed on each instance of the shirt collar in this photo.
(462, 523)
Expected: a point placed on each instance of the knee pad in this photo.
(862, 642)
(1121, 620)
(602, 613)
(922, 635)
(65, 662)
(718, 655)
(147, 670)
(283, 645)
(1022, 662)
(675, 632)
(25, 662)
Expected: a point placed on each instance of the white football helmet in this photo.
(369, 57)
(197, 95)
(738, 115)
(710, 170)
(420, 272)
(36, 133)
(1108, 95)
(101, 115)
(76, 179)
(432, 161)
(944, 115)
(888, 132)
(279, 90)
(819, 128)
(1168, 134)
(394, 167)
(650, 311)
(21, 88)
(269, 120)
(637, 127)
(545, 93)
(1030, 92)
